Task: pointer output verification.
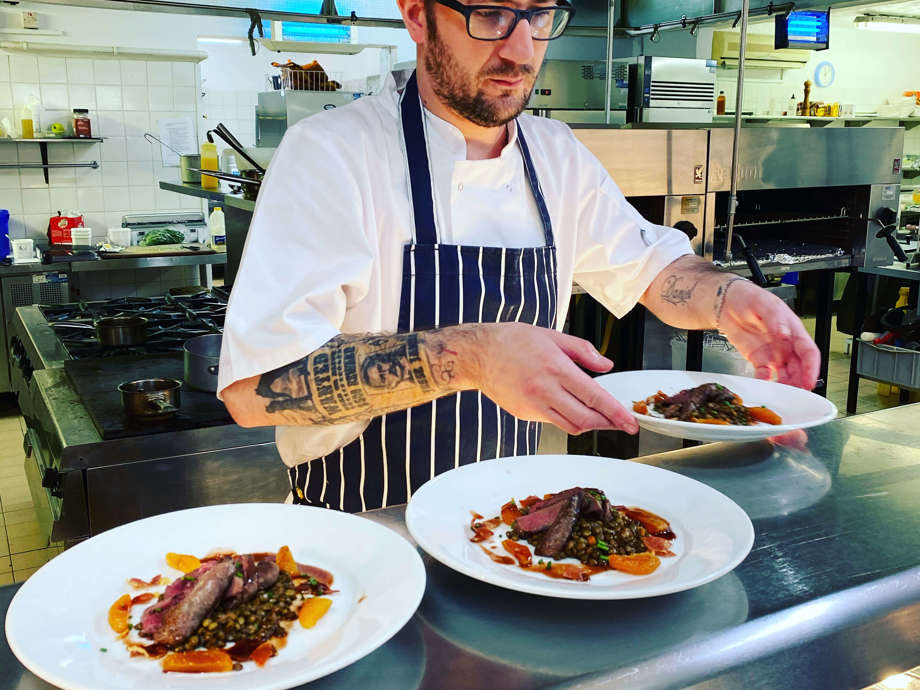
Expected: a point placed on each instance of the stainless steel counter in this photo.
(829, 596)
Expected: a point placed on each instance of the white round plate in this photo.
(798, 408)
(57, 622)
(713, 534)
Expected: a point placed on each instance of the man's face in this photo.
(486, 82)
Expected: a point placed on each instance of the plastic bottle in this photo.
(217, 230)
(903, 296)
(209, 161)
(720, 103)
(28, 125)
(791, 106)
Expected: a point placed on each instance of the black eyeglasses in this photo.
(497, 22)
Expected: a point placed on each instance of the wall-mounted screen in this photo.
(804, 29)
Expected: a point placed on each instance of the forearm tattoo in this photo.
(356, 377)
(721, 292)
(677, 291)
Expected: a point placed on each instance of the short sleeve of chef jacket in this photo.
(307, 256)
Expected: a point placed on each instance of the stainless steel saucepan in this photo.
(150, 398)
(115, 331)
(202, 356)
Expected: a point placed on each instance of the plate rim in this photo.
(587, 594)
(725, 432)
(415, 569)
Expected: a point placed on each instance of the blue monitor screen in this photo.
(803, 29)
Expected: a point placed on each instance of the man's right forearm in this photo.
(357, 377)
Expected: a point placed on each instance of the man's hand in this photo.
(768, 334)
(531, 372)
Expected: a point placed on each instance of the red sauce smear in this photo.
(483, 530)
(143, 598)
(155, 650)
(519, 551)
(324, 577)
(256, 650)
(498, 558)
(137, 583)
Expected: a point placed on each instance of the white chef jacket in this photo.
(324, 250)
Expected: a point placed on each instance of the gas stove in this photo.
(171, 321)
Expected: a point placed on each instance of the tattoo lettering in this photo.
(673, 293)
(356, 377)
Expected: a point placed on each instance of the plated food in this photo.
(576, 533)
(223, 610)
(709, 403)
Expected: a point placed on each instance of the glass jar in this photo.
(82, 127)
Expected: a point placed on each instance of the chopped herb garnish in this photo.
(602, 545)
(313, 582)
(103, 649)
(549, 565)
(190, 578)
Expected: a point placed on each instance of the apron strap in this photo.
(420, 174)
(417, 157)
(535, 187)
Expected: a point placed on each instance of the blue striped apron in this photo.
(442, 285)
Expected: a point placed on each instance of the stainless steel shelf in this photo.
(43, 145)
(53, 140)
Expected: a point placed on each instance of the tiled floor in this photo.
(23, 549)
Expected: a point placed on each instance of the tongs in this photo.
(234, 143)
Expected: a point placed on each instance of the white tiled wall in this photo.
(125, 98)
(235, 109)
(97, 285)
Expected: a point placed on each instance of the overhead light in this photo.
(888, 23)
(220, 39)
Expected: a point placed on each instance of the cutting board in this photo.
(96, 381)
(158, 250)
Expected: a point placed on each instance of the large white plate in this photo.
(56, 624)
(798, 408)
(713, 534)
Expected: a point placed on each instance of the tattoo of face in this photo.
(674, 293)
(386, 369)
(286, 388)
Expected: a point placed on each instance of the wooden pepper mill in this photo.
(806, 103)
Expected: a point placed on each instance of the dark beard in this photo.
(449, 82)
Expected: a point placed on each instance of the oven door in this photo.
(44, 484)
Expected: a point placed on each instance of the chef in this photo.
(400, 300)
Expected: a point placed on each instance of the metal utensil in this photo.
(239, 179)
(234, 143)
(188, 162)
(150, 398)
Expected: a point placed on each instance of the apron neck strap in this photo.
(420, 185)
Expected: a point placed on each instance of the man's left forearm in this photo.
(689, 293)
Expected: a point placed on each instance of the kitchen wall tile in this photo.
(59, 177)
(190, 202)
(32, 178)
(52, 70)
(54, 96)
(6, 95)
(159, 97)
(87, 177)
(62, 115)
(107, 71)
(138, 149)
(108, 97)
(82, 96)
(184, 98)
(63, 198)
(117, 199)
(35, 228)
(134, 97)
(133, 72)
(183, 74)
(114, 150)
(60, 153)
(29, 153)
(36, 201)
(87, 152)
(168, 201)
(137, 123)
(4, 67)
(114, 173)
(9, 153)
(166, 174)
(17, 231)
(91, 200)
(80, 71)
(142, 199)
(23, 68)
(25, 94)
(140, 174)
(9, 180)
(10, 199)
(109, 123)
(159, 74)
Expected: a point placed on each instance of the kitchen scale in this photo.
(192, 225)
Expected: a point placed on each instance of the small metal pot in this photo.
(117, 331)
(121, 330)
(150, 398)
(202, 356)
